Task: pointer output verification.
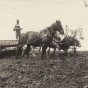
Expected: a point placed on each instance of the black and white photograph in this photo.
(43, 43)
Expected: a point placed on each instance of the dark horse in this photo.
(47, 40)
(43, 38)
(69, 41)
(29, 38)
(66, 43)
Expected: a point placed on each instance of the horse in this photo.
(44, 38)
(55, 40)
(69, 41)
(29, 38)
(51, 31)
(76, 34)
(66, 43)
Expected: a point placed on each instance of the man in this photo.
(17, 29)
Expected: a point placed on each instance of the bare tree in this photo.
(85, 3)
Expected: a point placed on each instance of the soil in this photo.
(57, 71)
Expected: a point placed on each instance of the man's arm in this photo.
(15, 28)
(20, 27)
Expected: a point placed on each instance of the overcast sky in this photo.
(37, 14)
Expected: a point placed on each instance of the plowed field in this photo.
(57, 71)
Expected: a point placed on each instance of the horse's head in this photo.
(77, 43)
(74, 41)
(58, 27)
(51, 32)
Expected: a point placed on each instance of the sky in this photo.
(37, 14)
